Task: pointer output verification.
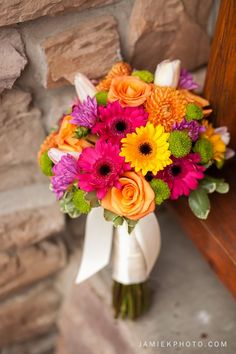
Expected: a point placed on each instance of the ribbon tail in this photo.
(135, 254)
(147, 233)
(97, 245)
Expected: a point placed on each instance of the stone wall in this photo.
(43, 44)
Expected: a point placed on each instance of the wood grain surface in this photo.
(216, 237)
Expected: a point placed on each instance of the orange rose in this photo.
(134, 200)
(129, 90)
(65, 138)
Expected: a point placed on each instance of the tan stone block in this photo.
(32, 313)
(165, 29)
(21, 175)
(21, 134)
(13, 59)
(21, 129)
(27, 215)
(12, 11)
(31, 264)
(91, 48)
(198, 11)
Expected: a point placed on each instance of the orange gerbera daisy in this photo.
(166, 106)
(118, 69)
(49, 142)
(219, 147)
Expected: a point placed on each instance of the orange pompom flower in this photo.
(118, 69)
(49, 142)
(166, 106)
(129, 91)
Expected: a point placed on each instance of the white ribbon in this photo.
(134, 254)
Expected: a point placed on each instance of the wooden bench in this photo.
(216, 237)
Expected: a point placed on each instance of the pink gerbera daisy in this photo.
(100, 168)
(117, 121)
(182, 175)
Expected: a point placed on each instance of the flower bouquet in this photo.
(130, 142)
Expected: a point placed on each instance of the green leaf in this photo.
(199, 203)
(131, 224)
(91, 197)
(109, 215)
(209, 186)
(67, 206)
(118, 221)
(222, 188)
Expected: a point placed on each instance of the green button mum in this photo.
(101, 98)
(46, 164)
(161, 190)
(204, 147)
(79, 201)
(144, 75)
(179, 143)
(193, 112)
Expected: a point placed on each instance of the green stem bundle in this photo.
(129, 301)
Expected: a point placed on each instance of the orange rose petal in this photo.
(134, 200)
(141, 215)
(65, 137)
(129, 90)
(118, 69)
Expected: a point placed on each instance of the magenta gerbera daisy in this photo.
(100, 168)
(65, 172)
(182, 175)
(116, 121)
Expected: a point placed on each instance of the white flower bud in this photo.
(167, 73)
(224, 133)
(55, 155)
(84, 87)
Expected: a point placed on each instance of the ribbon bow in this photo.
(134, 254)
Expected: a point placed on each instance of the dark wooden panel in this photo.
(215, 237)
(220, 87)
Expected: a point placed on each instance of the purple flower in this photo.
(85, 114)
(193, 127)
(65, 173)
(186, 80)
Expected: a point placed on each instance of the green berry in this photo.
(144, 75)
(204, 147)
(80, 203)
(101, 98)
(81, 132)
(46, 164)
(179, 143)
(161, 190)
(193, 112)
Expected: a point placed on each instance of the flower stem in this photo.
(129, 301)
